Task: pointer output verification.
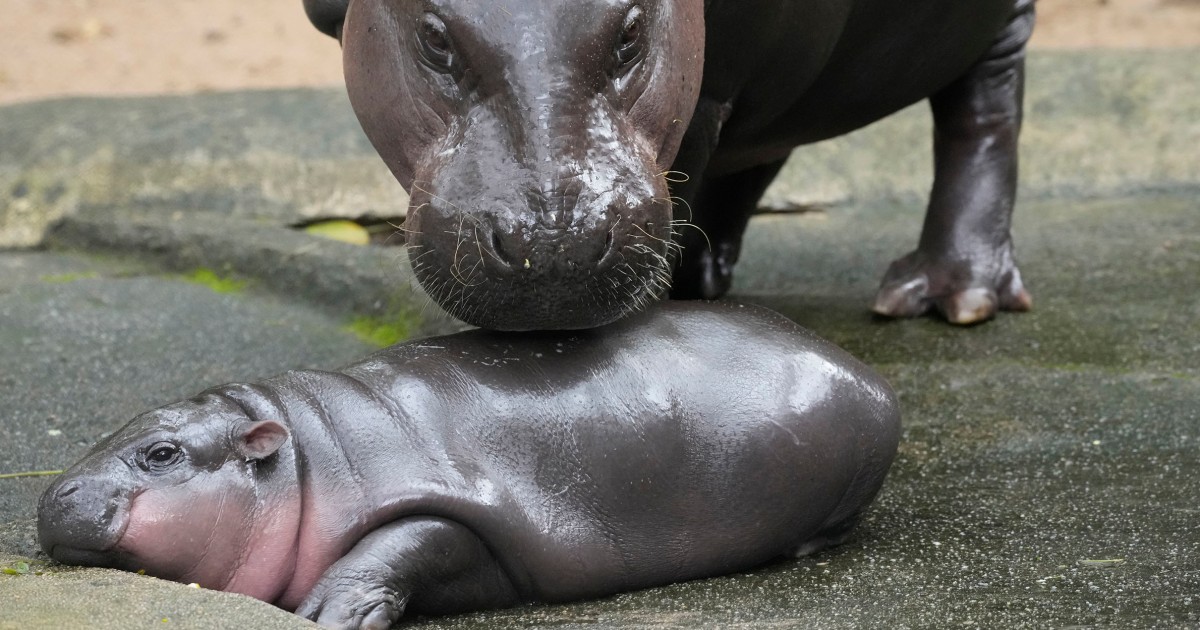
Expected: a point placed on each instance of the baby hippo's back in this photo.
(688, 441)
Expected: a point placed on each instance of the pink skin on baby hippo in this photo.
(484, 469)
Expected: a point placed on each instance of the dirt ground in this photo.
(59, 47)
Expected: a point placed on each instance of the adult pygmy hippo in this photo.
(482, 469)
(553, 148)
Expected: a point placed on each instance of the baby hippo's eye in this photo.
(161, 456)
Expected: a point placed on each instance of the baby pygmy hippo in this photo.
(485, 469)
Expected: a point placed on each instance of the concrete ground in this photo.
(1049, 474)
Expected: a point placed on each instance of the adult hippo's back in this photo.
(569, 160)
(554, 148)
(483, 469)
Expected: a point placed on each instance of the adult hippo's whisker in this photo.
(675, 224)
(415, 260)
(680, 177)
(455, 264)
(676, 201)
(434, 197)
(643, 231)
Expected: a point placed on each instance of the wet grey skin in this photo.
(570, 161)
(485, 469)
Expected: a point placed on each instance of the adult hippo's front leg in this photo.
(963, 265)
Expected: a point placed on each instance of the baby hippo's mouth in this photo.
(67, 554)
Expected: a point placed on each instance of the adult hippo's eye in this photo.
(434, 43)
(629, 44)
(160, 456)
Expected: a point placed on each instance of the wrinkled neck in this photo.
(268, 560)
(267, 563)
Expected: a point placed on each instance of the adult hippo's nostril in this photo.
(67, 490)
(607, 253)
(498, 254)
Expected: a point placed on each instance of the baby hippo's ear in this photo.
(259, 440)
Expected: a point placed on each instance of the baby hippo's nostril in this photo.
(68, 490)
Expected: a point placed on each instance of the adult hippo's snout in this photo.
(563, 254)
(535, 142)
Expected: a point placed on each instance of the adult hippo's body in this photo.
(553, 148)
(483, 469)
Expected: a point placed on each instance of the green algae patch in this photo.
(19, 568)
(16, 566)
(65, 278)
(385, 331)
(215, 282)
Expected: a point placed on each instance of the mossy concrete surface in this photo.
(1049, 473)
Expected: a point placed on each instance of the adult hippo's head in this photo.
(535, 139)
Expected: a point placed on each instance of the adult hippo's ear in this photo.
(259, 440)
(327, 15)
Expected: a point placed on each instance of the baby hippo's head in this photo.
(178, 492)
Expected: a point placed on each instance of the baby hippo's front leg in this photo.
(427, 564)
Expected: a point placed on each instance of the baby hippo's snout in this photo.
(81, 518)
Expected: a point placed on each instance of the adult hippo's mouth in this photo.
(515, 272)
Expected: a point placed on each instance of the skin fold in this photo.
(484, 469)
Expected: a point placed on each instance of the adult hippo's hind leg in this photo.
(964, 265)
(425, 564)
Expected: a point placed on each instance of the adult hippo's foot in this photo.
(964, 264)
(964, 292)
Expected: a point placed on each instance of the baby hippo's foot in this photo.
(347, 598)
(964, 291)
(437, 565)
